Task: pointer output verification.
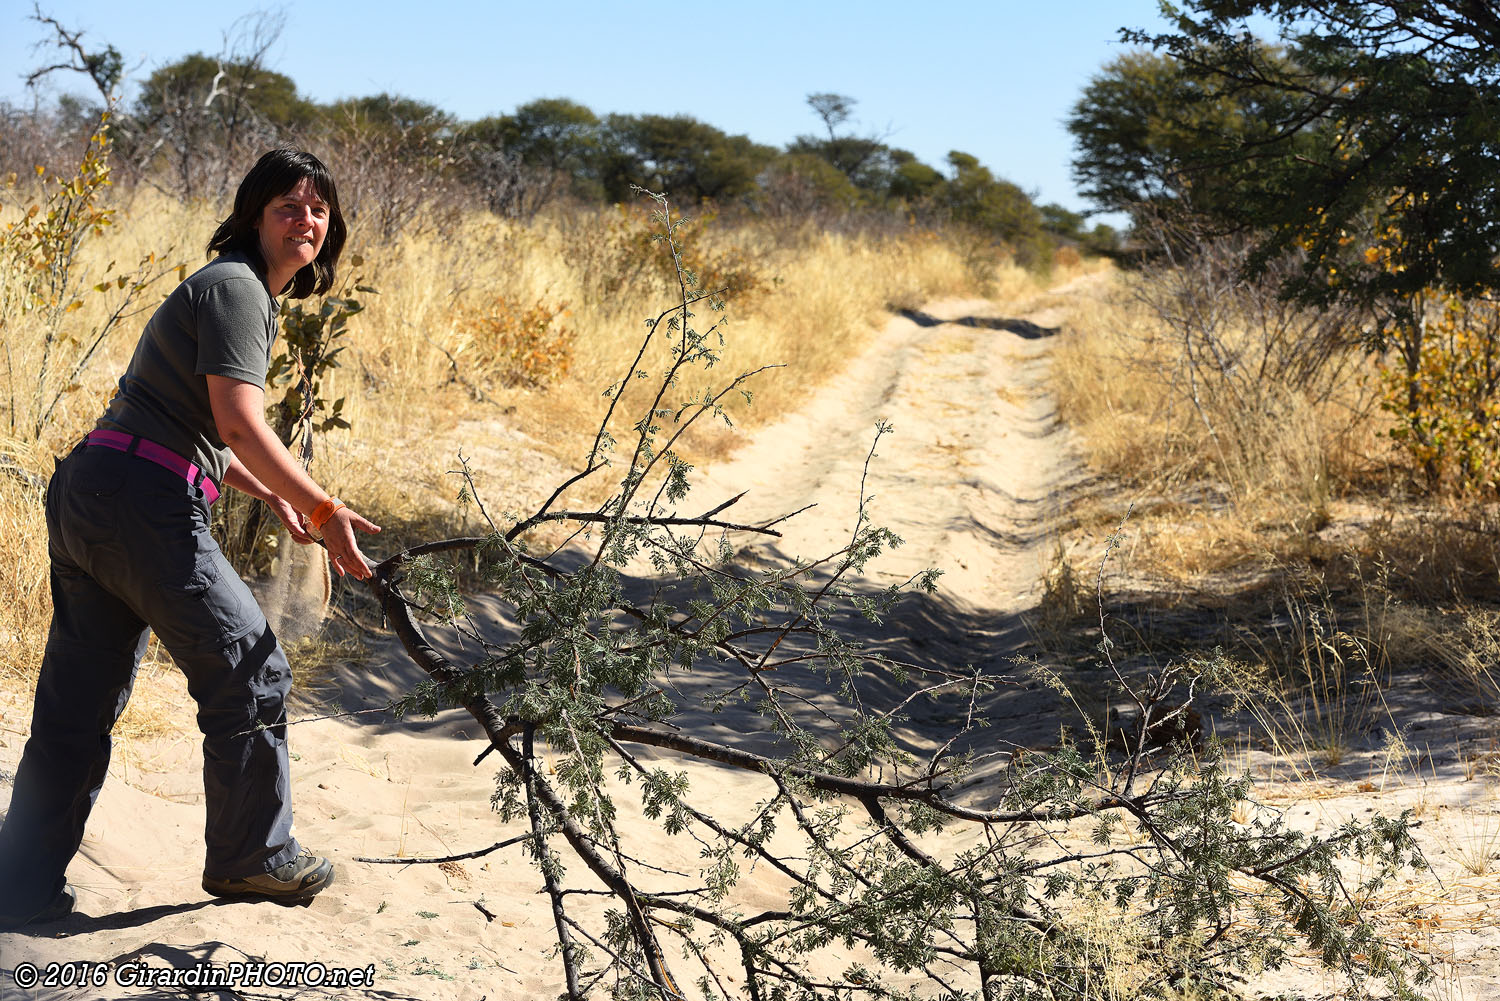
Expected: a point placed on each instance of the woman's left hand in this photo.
(343, 550)
(296, 524)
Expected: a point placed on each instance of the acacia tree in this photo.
(1371, 170)
(1155, 136)
(1386, 130)
(556, 137)
(899, 879)
(679, 154)
(864, 159)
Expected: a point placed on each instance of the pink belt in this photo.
(152, 452)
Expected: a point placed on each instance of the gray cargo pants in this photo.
(130, 548)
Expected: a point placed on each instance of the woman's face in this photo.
(292, 227)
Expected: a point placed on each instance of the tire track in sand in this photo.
(973, 477)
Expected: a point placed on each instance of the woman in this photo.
(127, 522)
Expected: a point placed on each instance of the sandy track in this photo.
(975, 470)
(971, 477)
(976, 453)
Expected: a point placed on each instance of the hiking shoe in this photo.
(61, 906)
(289, 883)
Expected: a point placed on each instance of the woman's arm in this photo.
(239, 413)
(240, 478)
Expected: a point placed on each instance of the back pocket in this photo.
(83, 498)
(97, 472)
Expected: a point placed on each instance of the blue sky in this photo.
(993, 79)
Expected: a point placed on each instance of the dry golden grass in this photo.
(817, 298)
(1281, 535)
(416, 392)
(25, 602)
(1216, 484)
(1123, 382)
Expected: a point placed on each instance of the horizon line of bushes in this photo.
(196, 121)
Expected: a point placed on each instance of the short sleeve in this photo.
(234, 326)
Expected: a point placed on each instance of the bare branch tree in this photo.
(206, 128)
(103, 68)
(510, 189)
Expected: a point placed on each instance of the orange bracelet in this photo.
(323, 512)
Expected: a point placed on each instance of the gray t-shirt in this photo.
(220, 321)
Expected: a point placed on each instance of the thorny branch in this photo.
(598, 673)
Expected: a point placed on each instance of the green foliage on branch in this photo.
(1077, 872)
(310, 346)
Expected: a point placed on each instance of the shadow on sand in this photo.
(927, 635)
(1021, 328)
(930, 633)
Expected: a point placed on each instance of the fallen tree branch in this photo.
(461, 856)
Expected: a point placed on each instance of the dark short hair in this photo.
(273, 175)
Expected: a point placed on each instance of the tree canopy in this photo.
(235, 86)
(1376, 151)
(691, 159)
(551, 132)
(1150, 131)
(976, 198)
(393, 113)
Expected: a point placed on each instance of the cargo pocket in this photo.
(207, 608)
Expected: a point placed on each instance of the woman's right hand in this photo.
(343, 549)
